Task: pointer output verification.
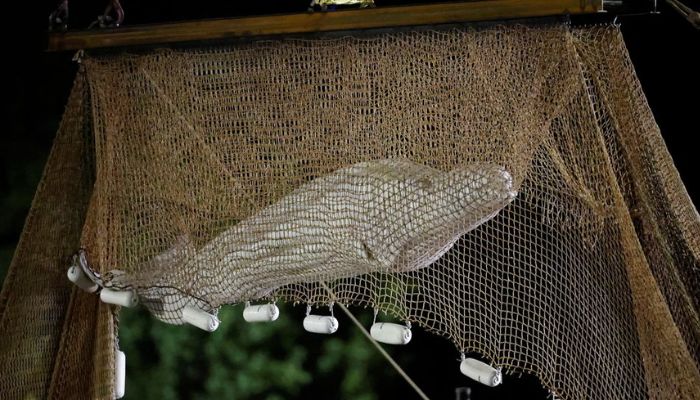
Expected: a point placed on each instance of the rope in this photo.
(379, 347)
(680, 7)
(686, 12)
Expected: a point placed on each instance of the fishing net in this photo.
(505, 187)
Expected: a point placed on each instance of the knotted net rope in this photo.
(505, 187)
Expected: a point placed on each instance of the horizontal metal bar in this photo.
(221, 29)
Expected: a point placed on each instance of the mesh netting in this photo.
(505, 187)
(55, 340)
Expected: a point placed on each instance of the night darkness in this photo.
(665, 50)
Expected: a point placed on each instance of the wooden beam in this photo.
(370, 18)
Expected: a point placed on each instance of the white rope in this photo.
(379, 347)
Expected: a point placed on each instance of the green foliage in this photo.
(14, 205)
(240, 360)
(245, 361)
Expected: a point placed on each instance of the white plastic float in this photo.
(261, 313)
(324, 324)
(390, 333)
(78, 277)
(201, 319)
(124, 298)
(119, 374)
(481, 372)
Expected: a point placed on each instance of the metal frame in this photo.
(372, 18)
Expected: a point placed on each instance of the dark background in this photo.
(255, 363)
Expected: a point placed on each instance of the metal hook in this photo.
(106, 20)
(58, 19)
(78, 58)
